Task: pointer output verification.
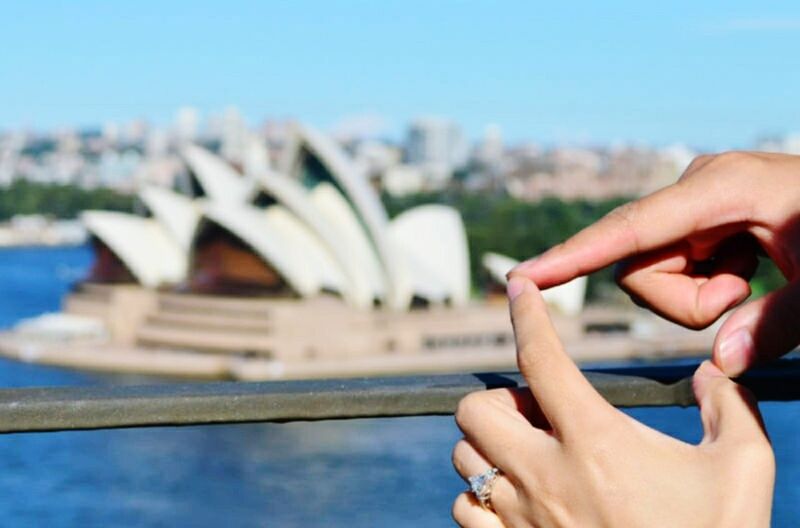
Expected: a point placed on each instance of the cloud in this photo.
(757, 25)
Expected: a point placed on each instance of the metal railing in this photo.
(103, 407)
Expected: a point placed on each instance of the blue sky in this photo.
(713, 74)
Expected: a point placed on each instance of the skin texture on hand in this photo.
(569, 459)
(687, 252)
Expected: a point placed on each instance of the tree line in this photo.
(61, 201)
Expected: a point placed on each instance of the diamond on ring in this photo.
(481, 485)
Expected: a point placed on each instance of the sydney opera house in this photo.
(312, 226)
(285, 269)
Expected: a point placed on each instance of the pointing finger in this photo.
(564, 395)
(660, 219)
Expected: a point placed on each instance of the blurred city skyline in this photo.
(714, 76)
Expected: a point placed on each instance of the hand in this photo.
(569, 459)
(691, 248)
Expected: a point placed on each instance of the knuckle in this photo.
(713, 165)
(625, 217)
(470, 407)
(699, 314)
(458, 454)
(696, 319)
(732, 157)
(528, 358)
(625, 213)
(541, 356)
(696, 163)
(732, 163)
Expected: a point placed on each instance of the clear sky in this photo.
(716, 74)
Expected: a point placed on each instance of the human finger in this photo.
(468, 513)
(660, 219)
(758, 331)
(696, 164)
(521, 399)
(496, 427)
(667, 282)
(562, 392)
(469, 462)
(729, 411)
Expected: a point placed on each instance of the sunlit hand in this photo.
(691, 248)
(569, 459)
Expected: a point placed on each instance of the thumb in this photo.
(759, 331)
(728, 410)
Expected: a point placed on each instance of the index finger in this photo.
(564, 395)
(650, 223)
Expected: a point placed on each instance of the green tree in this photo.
(58, 200)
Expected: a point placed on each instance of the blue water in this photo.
(361, 473)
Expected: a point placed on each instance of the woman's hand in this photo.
(569, 459)
(691, 248)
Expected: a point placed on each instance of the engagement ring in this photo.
(481, 486)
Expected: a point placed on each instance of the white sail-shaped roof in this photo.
(219, 180)
(358, 289)
(177, 213)
(351, 236)
(284, 243)
(256, 156)
(145, 247)
(568, 298)
(351, 180)
(432, 240)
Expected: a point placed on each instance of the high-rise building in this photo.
(234, 135)
(490, 150)
(187, 121)
(788, 144)
(436, 142)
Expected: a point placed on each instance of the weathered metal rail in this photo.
(102, 407)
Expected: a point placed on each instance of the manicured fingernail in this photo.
(516, 285)
(736, 352)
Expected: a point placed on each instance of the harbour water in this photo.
(361, 473)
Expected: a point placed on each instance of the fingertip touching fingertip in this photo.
(707, 369)
(522, 267)
(735, 352)
(517, 284)
(702, 379)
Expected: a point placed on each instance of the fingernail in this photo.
(736, 352)
(516, 285)
(708, 370)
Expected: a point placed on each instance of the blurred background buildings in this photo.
(434, 155)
